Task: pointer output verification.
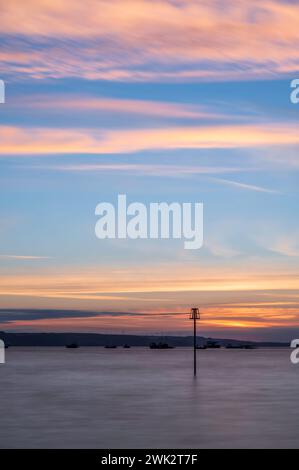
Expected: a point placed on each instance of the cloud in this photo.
(248, 187)
(24, 257)
(229, 298)
(163, 109)
(149, 40)
(12, 315)
(108, 283)
(39, 141)
(284, 244)
(143, 169)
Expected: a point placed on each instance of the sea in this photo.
(93, 397)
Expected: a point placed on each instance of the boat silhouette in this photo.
(213, 345)
(239, 346)
(72, 346)
(160, 346)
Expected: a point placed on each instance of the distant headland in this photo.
(98, 339)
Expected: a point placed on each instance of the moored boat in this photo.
(160, 346)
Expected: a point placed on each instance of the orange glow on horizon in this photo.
(228, 299)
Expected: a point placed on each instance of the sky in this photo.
(185, 101)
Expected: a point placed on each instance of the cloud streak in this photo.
(12, 315)
(143, 169)
(89, 299)
(109, 282)
(71, 103)
(149, 40)
(249, 187)
(23, 257)
(45, 141)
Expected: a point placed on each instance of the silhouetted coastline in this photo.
(98, 339)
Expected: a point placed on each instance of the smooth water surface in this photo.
(99, 398)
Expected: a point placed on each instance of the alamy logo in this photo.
(159, 220)
(2, 92)
(295, 354)
(294, 96)
(2, 352)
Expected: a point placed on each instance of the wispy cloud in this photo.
(280, 242)
(38, 141)
(23, 257)
(8, 315)
(145, 40)
(246, 186)
(164, 279)
(71, 103)
(176, 171)
(228, 299)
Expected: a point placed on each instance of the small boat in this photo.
(239, 346)
(213, 345)
(160, 346)
(72, 346)
(201, 347)
(126, 346)
(110, 346)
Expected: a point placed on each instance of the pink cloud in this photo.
(162, 109)
(150, 40)
(39, 141)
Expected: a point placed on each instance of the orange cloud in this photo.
(159, 297)
(36, 141)
(90, 282)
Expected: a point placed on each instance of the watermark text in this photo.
(2, 92)
(294, 96)
(158, 220)
(295, 354)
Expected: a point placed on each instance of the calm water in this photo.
(92, 397)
